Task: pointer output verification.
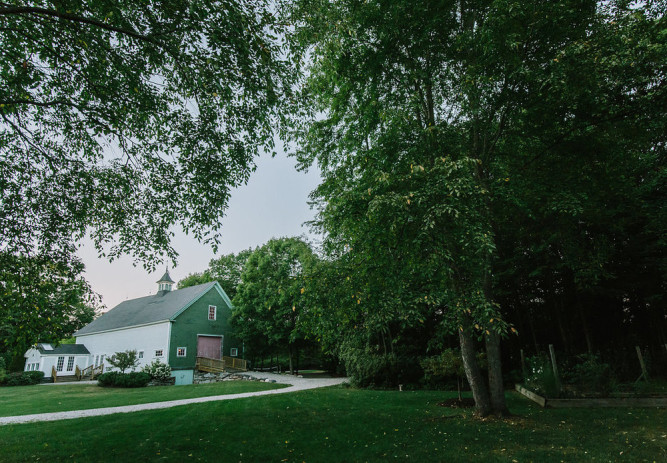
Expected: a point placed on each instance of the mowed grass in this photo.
(26, 400)
(345, 425)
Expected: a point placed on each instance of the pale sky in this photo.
(272, 204)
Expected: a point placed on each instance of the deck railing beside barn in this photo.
(235, 363)
(220, 365)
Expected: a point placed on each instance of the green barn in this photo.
(186, 328)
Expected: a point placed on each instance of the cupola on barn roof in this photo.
(165, 283)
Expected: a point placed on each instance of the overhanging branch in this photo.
(20, 10)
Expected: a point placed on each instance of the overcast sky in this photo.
(272, 204)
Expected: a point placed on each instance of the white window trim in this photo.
(140, 354)
(70, 363)
(159, 353)
(234, 352)
(60, 365)
(185, 352)
(215, 313)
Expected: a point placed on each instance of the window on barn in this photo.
(70, 364)
(159, 352)
(141, 354)
(233, 352)
(211, 312)
(59, 365)
(180, 352)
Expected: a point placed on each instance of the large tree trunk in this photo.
(473, 372)
(496, 388)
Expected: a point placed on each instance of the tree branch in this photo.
(21, 10)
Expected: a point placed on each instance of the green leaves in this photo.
(41, 300)
(151, 112)
(271, 298)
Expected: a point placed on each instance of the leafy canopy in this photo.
(41, 300)
(271, 298)
(122, 119)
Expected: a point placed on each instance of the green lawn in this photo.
(345, 425)
(26, 400)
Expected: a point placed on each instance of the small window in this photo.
(159, 352)
(234, 352)
(61, 362)
(211, 312)
(70, 363)
(141, 354)
(180, 352)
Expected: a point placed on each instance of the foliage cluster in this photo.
(129, 380)
(124, 360)
(23, 378)
(138, 106)
(448, 365)
(590, 375)
(226, 270)
(486, 166)
(374, 369)
(41, 300)
(272, 300)
(158, 371)
(540, 376)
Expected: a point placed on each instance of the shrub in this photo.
(368, 369)
(440, 370)
(3, 370)
(24, 378)
(589, 374)
(117, 379)
(541, 377)
(158, 371)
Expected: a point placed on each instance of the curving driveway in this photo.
(297, 384)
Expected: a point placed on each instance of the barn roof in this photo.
(149, 309)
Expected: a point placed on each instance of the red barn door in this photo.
(209, 346)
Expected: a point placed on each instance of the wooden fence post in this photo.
(641, 363)
(554, 366)
(524, 370)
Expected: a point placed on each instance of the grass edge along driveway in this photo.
(28, 400)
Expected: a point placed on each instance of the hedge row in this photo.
(117, 379)
(23, 378)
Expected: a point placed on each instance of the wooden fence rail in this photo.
(220, 365)
(235, 363)
(210, 365)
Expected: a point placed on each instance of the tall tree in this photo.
(122, 119)
(226, 270)
(421, 115)
(41, 300)
(270, 299)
